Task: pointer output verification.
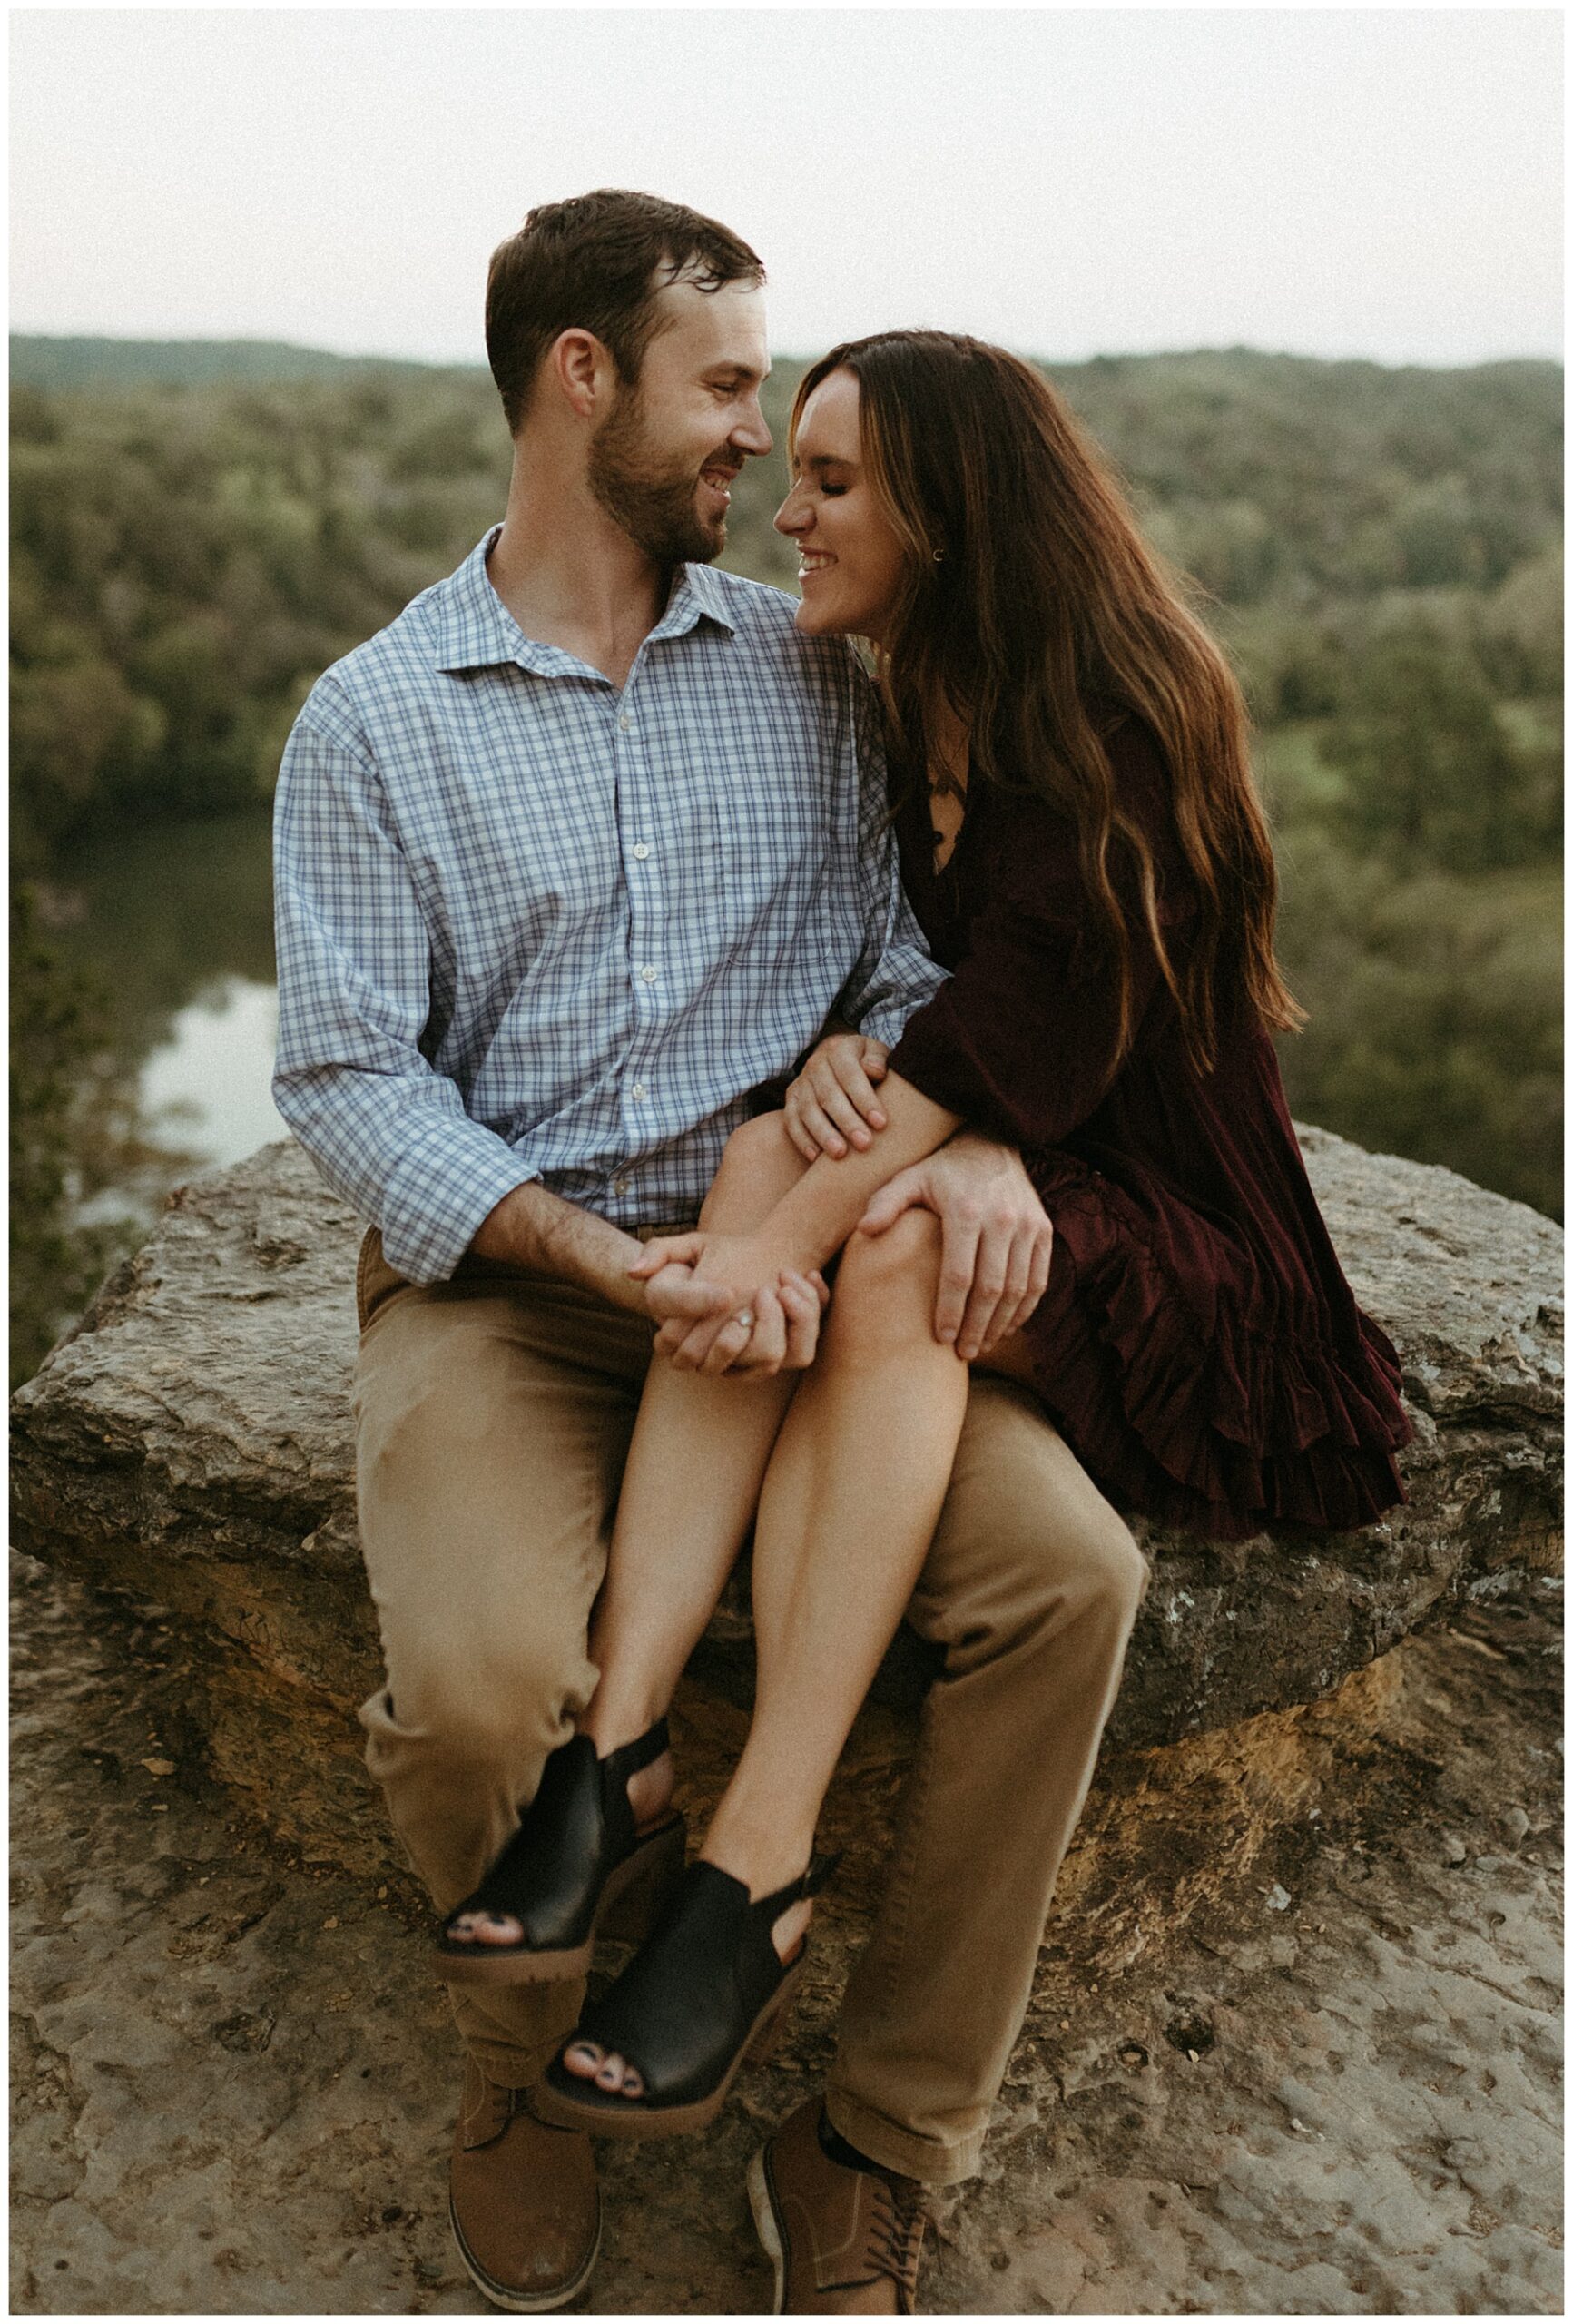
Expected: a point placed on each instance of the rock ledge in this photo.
(189, 1442)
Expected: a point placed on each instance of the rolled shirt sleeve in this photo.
(894, 975)
(387, 1130)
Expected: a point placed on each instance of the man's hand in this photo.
(996, 1238)
(674, 1295)
(831, 1103)
(758, 1316)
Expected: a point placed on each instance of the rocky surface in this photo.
(1329, 2087)
(190, 1443)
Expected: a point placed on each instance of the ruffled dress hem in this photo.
(1221, 1429)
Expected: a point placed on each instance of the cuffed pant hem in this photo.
(514, 2032)
(931, 2160)
(504, 2062)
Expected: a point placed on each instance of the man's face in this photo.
(663, 461)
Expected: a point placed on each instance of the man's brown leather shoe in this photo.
(844, 2243)
(523, 2198)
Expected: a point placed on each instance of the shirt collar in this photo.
(696, 594)
(475, 630)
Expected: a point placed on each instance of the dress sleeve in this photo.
(1021, 1039)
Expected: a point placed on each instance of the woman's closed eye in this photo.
(826, 490)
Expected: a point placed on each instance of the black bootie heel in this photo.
(578, 1868)
(707, 1991)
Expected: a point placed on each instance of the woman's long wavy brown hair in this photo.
(1031, 608)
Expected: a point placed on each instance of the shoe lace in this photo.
(896, 2234)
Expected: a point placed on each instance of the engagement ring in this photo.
(746, 1316)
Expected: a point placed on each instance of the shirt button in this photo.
(619, 1186)
(625, 723)
(648, 975)
(640, 852)
(640, 1090)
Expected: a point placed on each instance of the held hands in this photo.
(996, 1242)
(726, 1304)
(831, 1104)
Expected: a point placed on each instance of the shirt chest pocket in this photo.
(763, 836)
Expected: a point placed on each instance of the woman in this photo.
(1081, 841)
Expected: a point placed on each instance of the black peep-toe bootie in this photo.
(707, 1991)
(578, 1868)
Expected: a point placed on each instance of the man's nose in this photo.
(752, 434)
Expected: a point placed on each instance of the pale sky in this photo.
(1070, 182)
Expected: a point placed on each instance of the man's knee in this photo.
(481, 1704)
(1113, 1573)
(1026, 1538)
(1072, 1565)
(483, 1571)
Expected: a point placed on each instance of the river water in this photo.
(174, 924)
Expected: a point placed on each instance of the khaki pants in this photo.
(493, 1415)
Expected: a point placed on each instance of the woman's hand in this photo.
(831, 1103)
(770, 1322)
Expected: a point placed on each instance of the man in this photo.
(573, 856)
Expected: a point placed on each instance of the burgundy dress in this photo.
(1197, 1344)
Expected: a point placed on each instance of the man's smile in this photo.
(721, 476)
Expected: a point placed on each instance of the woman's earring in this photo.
(938, 557)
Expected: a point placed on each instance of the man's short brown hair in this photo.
(595, 263)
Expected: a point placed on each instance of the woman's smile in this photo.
(850, 554)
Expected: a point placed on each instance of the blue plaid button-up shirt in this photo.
(530, 927)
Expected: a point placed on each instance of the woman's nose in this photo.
(793, 514)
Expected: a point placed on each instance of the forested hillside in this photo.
(197, 532)
(40, 361)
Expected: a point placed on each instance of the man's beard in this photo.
(658, 509)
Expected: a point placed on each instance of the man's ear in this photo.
(581, 368)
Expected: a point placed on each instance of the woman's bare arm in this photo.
(805, 1230)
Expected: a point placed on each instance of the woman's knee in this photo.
(872, 1265)
(886, 1284)
(759, 1166)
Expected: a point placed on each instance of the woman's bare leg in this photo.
(690, 1489)
(851, 1502)
(849, 1505)
(689, 1492)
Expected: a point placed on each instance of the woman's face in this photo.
(849, 559)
